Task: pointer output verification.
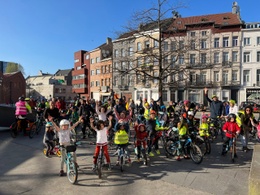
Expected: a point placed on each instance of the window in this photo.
(130, 65)
(258, 40)
(204, 33)
(139, 46)
(192, 34)
(234, 56)
(92, 60)
(164, 96)
(246, 41)
(97, 83)
(203, 58)
(78, 68)
(246, 77)
(97, 71)
(216, 76)
(116, 66)
(92, 72)
(235, 41)
(97, 59)
(76, 60)
(122, 53)
(173, 46)
(123, 66)
(258, 56)
(130, 51)
(181, 45)
(258, 77)
(87, 57)
(193, 45)
(181, 59)
(165, 45)
(246, 57)
(192, 58)
(204, 77)
(192, 77)
(92, 84)
(147, 44)
(156, 44)
(173, 61)
(234, 75)
(225, 42)
(225, 77)
(139, 61)
(216, 43)
(116, 53)
(203, 44)
(216, 58)
(225, 57)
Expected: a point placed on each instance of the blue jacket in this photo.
(216, 107)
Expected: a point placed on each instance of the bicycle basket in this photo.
(71, 148)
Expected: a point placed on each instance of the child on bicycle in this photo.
(204, 127)
(101, 140)
(183, 136)
(48, 139)
(122, 139)
(141, 139)
(64, 134)
(231, 129)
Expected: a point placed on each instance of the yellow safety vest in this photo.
(183, 130)
(204, 129)
(121, 137)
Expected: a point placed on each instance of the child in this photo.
(183, 132)
(64, 133)
(48, 139)
(204, 127)
(141, 136)
(74, 116)
(101, 140)
(122, 139)
(231, 129)
(102, 114)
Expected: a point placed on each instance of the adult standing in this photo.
(246, 126)
(85, 111)
(216, 106)
(51, 113)
(233, 107)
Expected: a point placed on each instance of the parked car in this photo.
(256, 107)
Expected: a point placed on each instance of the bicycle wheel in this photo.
(13, 130)
(233, 152)
(121, 162)
(44, 151)
(72, 172)
(38, 127)
(99, 168)
(32, 131)
(196, 154)
(171, 147)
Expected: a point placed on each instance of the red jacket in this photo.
(140, 136)
(231, 127)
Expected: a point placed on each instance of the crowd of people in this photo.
(115, 115)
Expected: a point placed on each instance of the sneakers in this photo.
(61, 173)
(109, 167)
(129, 160)
(235, 155)
(138, 160)
(47, 156)
(178, 158)
(186, 157)
(151, 154)
(84, 137)
(158, 152)
(117, 163)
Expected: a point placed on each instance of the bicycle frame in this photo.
(100, 161)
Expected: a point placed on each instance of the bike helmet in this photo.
(191, 113)
(64, 122)
(204, 117)
(21, 98)
(48, 124)
(232, 116)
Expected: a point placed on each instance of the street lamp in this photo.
(1, 89)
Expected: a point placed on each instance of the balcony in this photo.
(227, 64)
(229, 83)
(199, 66)
(123, 87)
(146, 67)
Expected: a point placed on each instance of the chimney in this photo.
(109, 40)
(140, 27)
(235, 9)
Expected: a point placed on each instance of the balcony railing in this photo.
(123, 87)
(230, 83)
(227, 63)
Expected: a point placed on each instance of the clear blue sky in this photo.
(44, 34)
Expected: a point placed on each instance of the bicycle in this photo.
(72, 169)
(143, 151)
(121, 154)
(55, 151)
(204, 140)
(173, 146)
(39, 123)
(15, 127)
(231, 146)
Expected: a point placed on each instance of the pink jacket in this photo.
(20, 108)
